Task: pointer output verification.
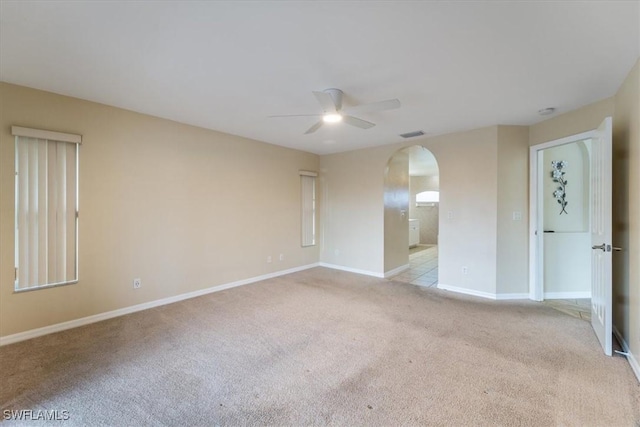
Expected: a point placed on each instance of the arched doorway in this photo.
(411, 217)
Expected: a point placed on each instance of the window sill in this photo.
(52, 285)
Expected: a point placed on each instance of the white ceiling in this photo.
(229, 65)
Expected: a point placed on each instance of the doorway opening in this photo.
(564, 217)
(412, 189)
(560, 219)
(573, 247)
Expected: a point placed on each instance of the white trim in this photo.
(58, 327)
(466, 291)
(630, 357)
(566, 140)
(567, 295)
(535, 244)
(48, 285)
(522, 295)
(352, 270)
(396, 271)
(535, 240)
(308, 210)
(46, 134)
(308, 173)
(481, 294)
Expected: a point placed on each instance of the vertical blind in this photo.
(46, 212)
(308, 184)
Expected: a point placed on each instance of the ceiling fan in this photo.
(331, 102)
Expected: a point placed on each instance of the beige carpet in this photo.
(326, 347)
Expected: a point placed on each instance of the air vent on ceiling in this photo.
(412, 134)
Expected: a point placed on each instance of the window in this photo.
(46, 208)
(427, 198)
(308, 185)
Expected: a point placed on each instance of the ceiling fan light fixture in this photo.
(331, 102)
(332, 118)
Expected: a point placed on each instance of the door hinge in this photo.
(16, 274)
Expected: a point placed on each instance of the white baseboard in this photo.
(567, 295)
(58, 327)
(523, 295)
(466, 291)
(396, 271)
(481, 294)
(351, 270)
(630, 357)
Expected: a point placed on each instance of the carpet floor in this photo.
(324, 347)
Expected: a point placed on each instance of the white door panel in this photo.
(601, 304)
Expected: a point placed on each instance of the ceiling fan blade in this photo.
(388, 104)
(295, 115)
(314, 128)
(359, 123)
(326, 101)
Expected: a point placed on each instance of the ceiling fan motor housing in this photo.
(336, 95)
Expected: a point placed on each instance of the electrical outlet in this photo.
(281, 257)
(269, 259)
(465, 270)
(450, 215)
(137, 283)
(337, 252)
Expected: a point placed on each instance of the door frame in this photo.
(536, 242)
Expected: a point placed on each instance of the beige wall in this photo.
(512, 263)
(352, 213)
(182, 208)
(626, 211)
(571, 123)
(354, 207)
(468, 163)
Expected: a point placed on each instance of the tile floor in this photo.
(580, 308)
(423, 267)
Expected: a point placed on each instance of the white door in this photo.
(601, 318)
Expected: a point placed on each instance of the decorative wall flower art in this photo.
(557, 174)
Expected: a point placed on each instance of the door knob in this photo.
(606, 248)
